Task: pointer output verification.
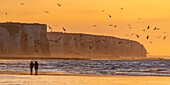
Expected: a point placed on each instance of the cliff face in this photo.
(33, 39)
(92, 46)
(23, 39)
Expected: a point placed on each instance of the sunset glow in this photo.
(79, 16)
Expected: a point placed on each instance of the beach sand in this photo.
(23, 78)
(7, 78)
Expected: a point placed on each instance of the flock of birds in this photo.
(111, 25)
(6, 13)
(130, 27)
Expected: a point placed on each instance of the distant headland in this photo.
(32, 39)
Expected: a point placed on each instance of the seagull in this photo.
(90, 47)
(6, 13)
(148, 27)
(130, 27)
(21, 3)
(156, 28)
(147, 37)
(120, 42)
(98, 41)
(129, 24)
(64, 29)
(46, 12)
(121, 8)
(110, 25)
(165, 37)
(103, 10)
(143, 30)
(94, 25)
(115, 26)
(36, 51)
(137, 36)
(132, 34)
(50, 27)
(110, 16)
(59, 5)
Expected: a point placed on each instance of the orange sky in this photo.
(81, 15)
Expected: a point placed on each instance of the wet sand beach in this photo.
(69, 79)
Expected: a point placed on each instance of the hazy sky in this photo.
(80, 16)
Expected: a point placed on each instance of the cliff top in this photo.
(93, 35)
(7, 23)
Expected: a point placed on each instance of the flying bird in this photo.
(132, 34)
(90, 47)
(120, 42)
(50, 27)
(137, 36)
(36, 51)
(121, 8)
(147, 37)
(46, 12)
(115, 26)
(21, 3)
(165, 37)
(80, 35)
(148, 27)
(156, 28)
(110, 16)
(64, 29)
(129, 24)
(59, 5)
(110, 25)
(103, 10)
(6, 13)
(130, 27)
(94, 25)
(143, 30)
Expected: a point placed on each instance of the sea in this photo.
(94, 67)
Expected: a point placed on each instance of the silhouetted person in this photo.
(31, 67)
(36, 67)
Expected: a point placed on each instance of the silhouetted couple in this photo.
(35, 66)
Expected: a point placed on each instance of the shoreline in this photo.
(67, 58)
(68, 74)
